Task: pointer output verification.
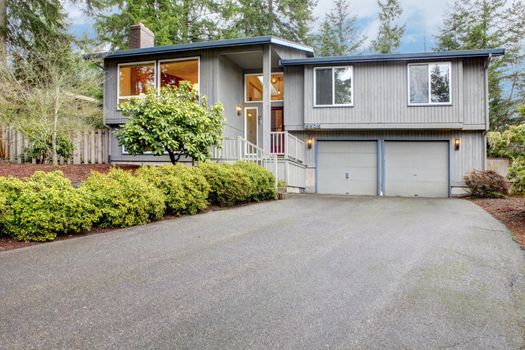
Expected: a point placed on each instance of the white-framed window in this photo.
(173, 71)
(429, 84)
(134, 79)
(334, 86)
(253, 87)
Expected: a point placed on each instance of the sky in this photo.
(422, 19)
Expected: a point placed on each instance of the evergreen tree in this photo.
(339, 34)
(390, 32)
(288, 19)
(34, 25)
(485, 24)
(172, 21)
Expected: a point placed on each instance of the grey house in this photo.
(393, 125)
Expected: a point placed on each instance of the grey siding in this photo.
(474, 98)
(471, 154)
(381, 100)
(293, 97)
(230, 94)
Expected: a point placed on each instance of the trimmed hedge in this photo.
(46, 204)
(239, 183)
(123, 199)
(43, 206)
(185, 189)
(486, 184)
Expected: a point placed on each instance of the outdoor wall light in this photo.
(310, 142)
(238, 109)
(457, 142)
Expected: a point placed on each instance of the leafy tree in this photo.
(509, 143)
(174, 121)
(46, 96)
(339, 34)
(172, 22)
(483, 24)
(390, 32)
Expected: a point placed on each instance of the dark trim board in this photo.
(419, 56)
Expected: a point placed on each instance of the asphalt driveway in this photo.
(311, 272)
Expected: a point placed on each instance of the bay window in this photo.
(429, 84)
(333, 86)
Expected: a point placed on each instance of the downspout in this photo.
(487, 110)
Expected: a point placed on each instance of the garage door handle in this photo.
(347, 176)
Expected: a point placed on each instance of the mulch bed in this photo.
(76, 173)
(510, 211)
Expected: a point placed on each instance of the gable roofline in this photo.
(421, 56)
(214, 44)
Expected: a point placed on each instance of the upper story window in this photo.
(333, 86)
(174, 71)
(253, 87)
(429, 84)
(135, 79)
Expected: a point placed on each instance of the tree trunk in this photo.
(172, 157)
(55, 127)
(3, 28)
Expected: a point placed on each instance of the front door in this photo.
(250, 124)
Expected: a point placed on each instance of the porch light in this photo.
(238, 109)
(310, 142)
(457, 142)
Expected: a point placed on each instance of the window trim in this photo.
(134, 64)
(124, 152)
(429, 103)
(254, 74)
(333, 87)
(167, 60)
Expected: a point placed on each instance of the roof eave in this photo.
(396, 57)
(210, 45)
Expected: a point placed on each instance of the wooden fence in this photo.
(90, 147)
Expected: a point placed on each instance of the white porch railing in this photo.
(239, 149)
(284, 144)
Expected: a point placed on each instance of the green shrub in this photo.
(517, 175)
(42, 151)
(510, 143)
(242, 182)
(185, 189)
(43, 207)
(261, 180)
(123, 199)
(486, 184)
(226, 189)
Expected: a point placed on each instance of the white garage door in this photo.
(416, 169)
(347, 167)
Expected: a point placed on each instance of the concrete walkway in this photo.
(310, 272)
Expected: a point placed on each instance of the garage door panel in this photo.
(355, 158)
(417, 169)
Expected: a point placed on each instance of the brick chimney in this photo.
(140, 37)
